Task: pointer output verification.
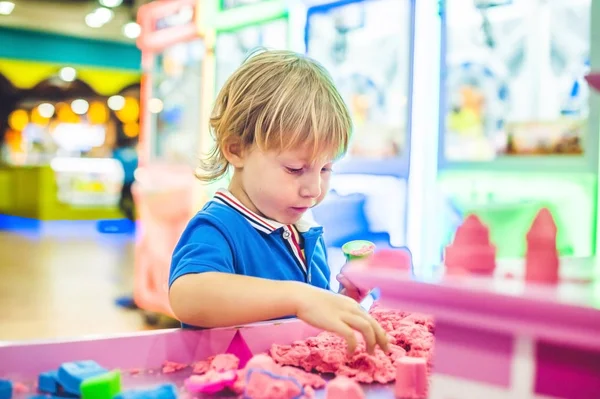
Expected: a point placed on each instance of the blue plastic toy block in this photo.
(72, 374)
(48, 382)
(166, 391)
(5, 389)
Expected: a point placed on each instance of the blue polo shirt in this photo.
(227, 237)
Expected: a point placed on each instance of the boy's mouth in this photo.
(299, 209)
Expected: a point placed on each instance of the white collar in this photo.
(261, 223)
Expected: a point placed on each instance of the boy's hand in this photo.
(341, 315)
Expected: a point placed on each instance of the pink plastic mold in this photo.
(541, 259)
(471, 250)
(411, 378)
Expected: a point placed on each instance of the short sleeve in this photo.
(202, 247)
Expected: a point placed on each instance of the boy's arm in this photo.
(205, 291)
(214, 299)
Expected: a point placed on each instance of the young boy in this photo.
(249, 255)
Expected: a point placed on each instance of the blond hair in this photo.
(277, 100)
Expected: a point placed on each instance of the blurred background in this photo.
(459, 106)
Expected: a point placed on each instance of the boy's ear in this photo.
(234, 153)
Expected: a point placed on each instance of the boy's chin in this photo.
(290, 219)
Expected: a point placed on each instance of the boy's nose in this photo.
(311, 188)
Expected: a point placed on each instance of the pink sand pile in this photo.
(262, 378)
(409, 334)
(289, 370)
(218, 363)
(168, 367)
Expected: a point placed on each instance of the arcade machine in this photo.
(165, 192)
(186, 51)
(514, 119)
(367, 48)
(241, 27)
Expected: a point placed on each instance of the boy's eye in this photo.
(293, 170)
(327, 169)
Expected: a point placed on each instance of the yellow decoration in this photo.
(65, 114)
(97, 113)
(13, 140)
(37, 118)
(106, 82)
(130, 111)
(131, 129)
(18, 119)
(466, 123)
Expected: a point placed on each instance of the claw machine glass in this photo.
(515, 116)
(244, 26)
(367, 48)
(173, 58)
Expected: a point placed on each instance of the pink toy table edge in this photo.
(514, 339)
(145, 350)
(508, 306)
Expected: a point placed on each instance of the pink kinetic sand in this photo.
(171, 367)
(343, 388)
(19, 388)
(471, 249)
(224, 362)
(288, 371)
(411, 378)
(202, 366)
(220, 363)
(326, 353)
(364, 250)
(211, 382)
(261, 378)
(541, 259)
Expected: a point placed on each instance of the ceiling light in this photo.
(68, 74)
(99, 17)
(80, 106)
(132, 30)
(111, 3)
(93, 21)
(104, 14)
(46, 110)
(116, 103)
(6, 7)
(155, 105)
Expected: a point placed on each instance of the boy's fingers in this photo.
(347, 332)
(363, 326)
(380, 335)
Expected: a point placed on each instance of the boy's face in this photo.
(281, 186)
